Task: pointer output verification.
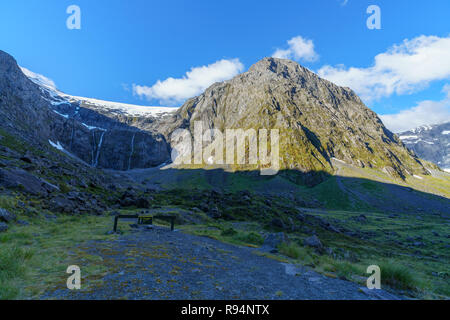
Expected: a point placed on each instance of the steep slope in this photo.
(431, 143)
(37, 113)
(317, 119)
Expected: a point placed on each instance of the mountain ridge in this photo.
(430, 142)
(317, 119)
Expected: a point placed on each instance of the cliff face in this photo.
(41, 115)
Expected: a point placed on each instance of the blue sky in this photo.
(125, 47)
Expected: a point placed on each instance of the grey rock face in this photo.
(313, 242)
(24, 181)
(273, 240)
(431, 143)
(38, 115)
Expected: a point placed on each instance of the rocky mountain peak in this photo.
(284, 68)
(11, 75)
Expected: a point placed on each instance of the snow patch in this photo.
(56, 145)
(62, 115)
(418, 177)
(39, 79)
(446, 132)
(125, 108)
(408, 137)
(92, 127)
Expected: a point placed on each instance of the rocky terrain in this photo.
(349, 193)
(431, 143)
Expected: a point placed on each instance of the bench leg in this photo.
(115, 224)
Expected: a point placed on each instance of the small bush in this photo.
(12, 266)
(7, 202)
(229, 232)
(251, 238)
(397, 276)
(64, 187)
(345, 269)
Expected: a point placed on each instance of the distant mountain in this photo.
(431, 143)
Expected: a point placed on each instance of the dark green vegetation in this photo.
(410, 244)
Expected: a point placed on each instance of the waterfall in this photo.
(132, 151)
(98, 149)
(93, 147)
(72, 135)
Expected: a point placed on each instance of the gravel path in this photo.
(159, 264)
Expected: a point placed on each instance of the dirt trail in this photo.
(159, 264)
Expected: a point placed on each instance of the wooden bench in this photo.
(144, 219)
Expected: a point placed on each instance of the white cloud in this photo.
(344, 3)
(403, 69)
(195, 81)
(426, 112)
(299, 49)
(39, 79)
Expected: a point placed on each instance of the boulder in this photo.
(278, 223)
(7, 216)
(61, 204)
(3, 227)
(214, 212)
(361, 218)
(142, 203)
(24, 180)
(313, 242)
(273, 240)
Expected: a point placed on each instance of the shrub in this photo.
(12, 266)
(345, 269)
(229, 232)
(397, 276)
(251, 237)
(7, 202)
(64, 188)
(290, 250)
